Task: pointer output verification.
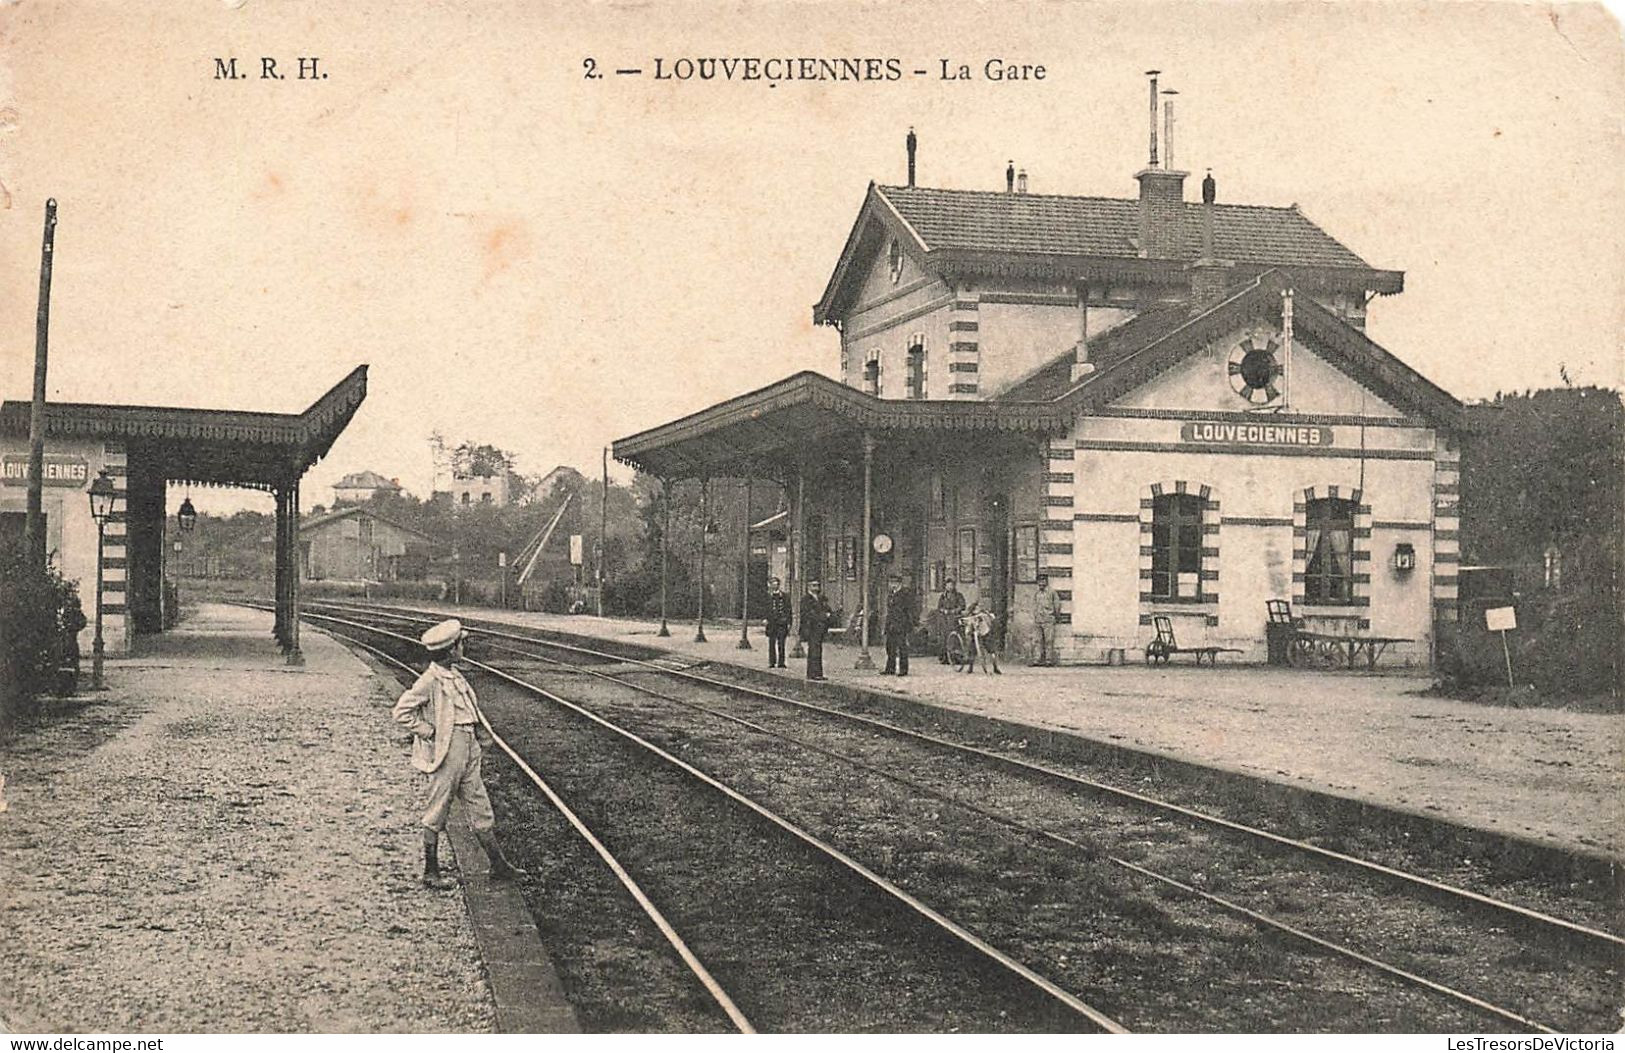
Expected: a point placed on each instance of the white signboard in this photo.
(1500, 619)
(575, 550)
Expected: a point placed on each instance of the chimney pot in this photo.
(912, 144)
(1152, 73)
(1021, 181)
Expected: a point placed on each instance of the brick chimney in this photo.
(1210, 276)
(1162, 199)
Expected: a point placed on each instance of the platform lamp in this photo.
(186, 515)
(102, 496)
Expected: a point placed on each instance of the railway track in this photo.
(955, 975)
(871, 746)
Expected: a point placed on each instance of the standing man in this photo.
(950, 608)
(815, 619)
(1046, 612)
(900, 620)
(447, 736)
(778, 622)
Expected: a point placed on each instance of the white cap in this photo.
(443, 635)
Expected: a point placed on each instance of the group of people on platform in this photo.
(976, 625)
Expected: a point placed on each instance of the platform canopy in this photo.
(261, 451)
(792, 419)
(166, 444)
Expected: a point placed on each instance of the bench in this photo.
(1327, 649)
(1165, 646)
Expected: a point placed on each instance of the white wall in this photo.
(71, 533)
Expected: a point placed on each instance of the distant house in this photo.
(357, 544)
(564, 475)
(361, 487)
(478, 489)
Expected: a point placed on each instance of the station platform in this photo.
(224, 843)
(1550, 776)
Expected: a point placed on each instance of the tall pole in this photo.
(665, 532)
(864, 661)
(34, 523)
(705, 523)
(797, 565)
(603, 521)
(744, 571)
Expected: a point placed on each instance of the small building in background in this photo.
(358, 488)
(478, 489)
(358, 544)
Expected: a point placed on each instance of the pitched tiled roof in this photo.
(989, 221)
(366, 480)
(322, 519)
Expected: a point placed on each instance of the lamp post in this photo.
(102, 496)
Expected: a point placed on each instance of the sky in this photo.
(541, 260)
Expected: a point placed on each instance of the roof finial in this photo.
(912, 142)
(1010, 178)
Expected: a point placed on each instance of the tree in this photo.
(471, 459)
(1542, 475)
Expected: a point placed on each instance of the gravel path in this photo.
(221, 843)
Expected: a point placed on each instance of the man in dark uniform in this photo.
(899, 626)
(815, 619)
(950, 608)
(778, 623)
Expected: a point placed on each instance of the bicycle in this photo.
(956, 649)
(966, 644)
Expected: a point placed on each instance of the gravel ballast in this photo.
(223, 843)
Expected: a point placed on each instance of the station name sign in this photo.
(1254, 433)
(59, 470)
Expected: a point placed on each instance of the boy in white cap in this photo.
(444, 718)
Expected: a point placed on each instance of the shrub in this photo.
(40, 618)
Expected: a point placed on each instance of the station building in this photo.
(1164, 407)
(143, 449)
(358, 544)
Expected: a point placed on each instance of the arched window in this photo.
(916, 371)
(1329, 551)
(871, 374)
(1176, 547)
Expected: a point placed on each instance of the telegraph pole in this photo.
(34, 524)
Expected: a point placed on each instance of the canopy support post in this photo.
(295, 655)
(865, 662)
(705, 525)
(797, 567)
(665, 532)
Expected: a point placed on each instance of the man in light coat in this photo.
(1046, 613)
(442, 713)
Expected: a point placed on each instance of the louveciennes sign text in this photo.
(59, 471)
(1254, 433)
